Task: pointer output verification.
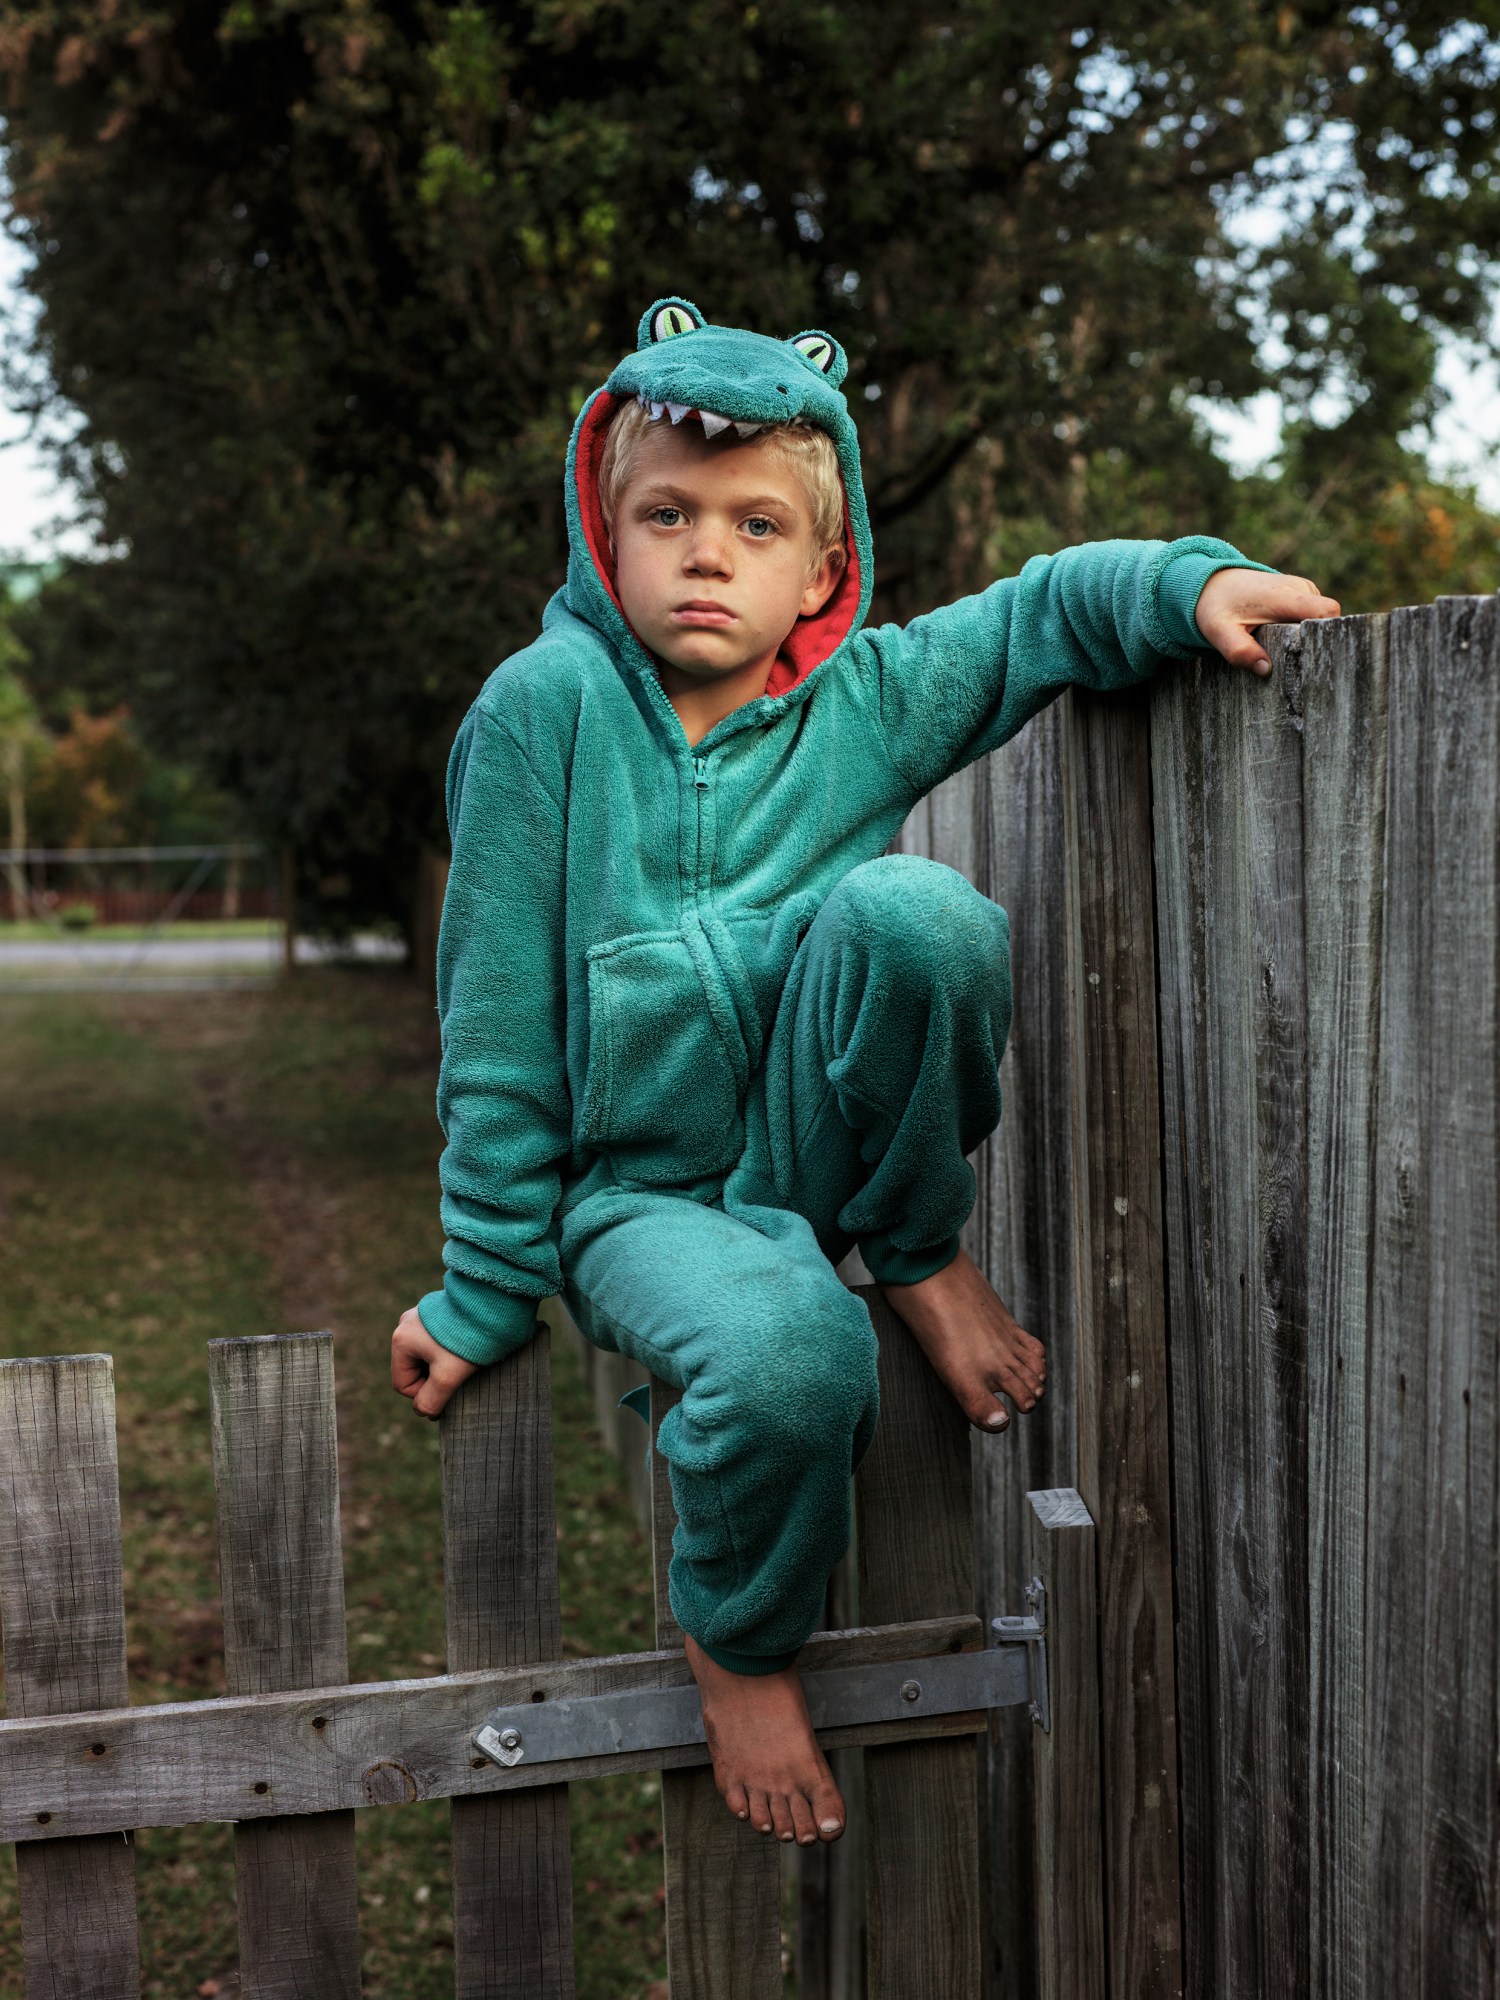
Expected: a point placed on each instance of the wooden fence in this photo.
(294, 1749)
(1247, 1188)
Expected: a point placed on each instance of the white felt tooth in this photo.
(747, 430)
(713, 423)
(677, 411)
(642, 399)
(656, 410)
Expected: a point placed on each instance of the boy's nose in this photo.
(708, 556)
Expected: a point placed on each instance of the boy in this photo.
(701, 1034)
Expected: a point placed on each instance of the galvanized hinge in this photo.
(1031, 1632)
(653, 1718)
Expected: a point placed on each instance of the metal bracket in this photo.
(655, 1718)
(1031, 1633)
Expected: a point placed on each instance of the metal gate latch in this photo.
(644, 1719)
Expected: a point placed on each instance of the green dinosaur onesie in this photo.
(700, 1032)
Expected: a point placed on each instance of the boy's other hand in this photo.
(1234, 601)
(421, 1370)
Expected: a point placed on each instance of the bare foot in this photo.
(767, 1763)
(959, 1322)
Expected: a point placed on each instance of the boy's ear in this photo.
(667, 318)
(821, 351)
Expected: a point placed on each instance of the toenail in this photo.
(807, 1839)
(786, 1836)
(830, 1825)
(995, 1422)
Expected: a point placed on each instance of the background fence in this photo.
(1247, 1188)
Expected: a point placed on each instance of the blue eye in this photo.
(668, 516)
(760, 527)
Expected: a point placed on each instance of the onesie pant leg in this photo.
(882, 1071)
(776, 1361)
(880, 1075)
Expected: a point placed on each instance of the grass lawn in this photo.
(178, 1167)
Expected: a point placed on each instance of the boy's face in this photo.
(713, 541)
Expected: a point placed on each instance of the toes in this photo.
(987, 1411)
(828, 1810)
(802, 1820)
(781, 1816)
(760, 1812)
(738, 1800)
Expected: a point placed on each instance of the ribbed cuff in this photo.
(475, 1321)
(748, 1663)
(889, 1266)
(1188, 565)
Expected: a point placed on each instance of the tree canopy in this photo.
(328, 280)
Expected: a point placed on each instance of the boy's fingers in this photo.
(1241, 649)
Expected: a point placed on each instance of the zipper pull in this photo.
(699, 773)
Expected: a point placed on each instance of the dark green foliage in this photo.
(328, 282)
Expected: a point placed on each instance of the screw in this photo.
(911, 1690)
(510, 1739)
(1035, 1711)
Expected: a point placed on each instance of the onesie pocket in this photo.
(660, 1095)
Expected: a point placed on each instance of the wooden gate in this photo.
(295, 1747)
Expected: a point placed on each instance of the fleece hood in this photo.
(686, 371)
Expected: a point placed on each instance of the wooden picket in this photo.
(294, 1748)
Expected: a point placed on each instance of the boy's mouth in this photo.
(703, 611)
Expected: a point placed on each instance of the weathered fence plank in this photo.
(1434, 1666)
(512, 1858)
(1068, 1919)
(723, 1874)
(275, 1448)
(1233, 1006)
(373, 1743)
(913, 1492)
(62, 1601)
(1342, 697)
(1124, 1470)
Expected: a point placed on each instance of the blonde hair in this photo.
(808, 450)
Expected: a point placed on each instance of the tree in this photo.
(327, 281)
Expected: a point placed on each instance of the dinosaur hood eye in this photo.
(821, 351)
(666, 320)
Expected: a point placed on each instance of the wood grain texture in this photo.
(1005, 823)
(1227, 770)
(62, 1603)
(913, 1495)
(723, 1877)
(512, 1857)
(1124, 1467)
(1343, 697)
(1433, 1669)
(275, 1449)
(831, 1926)
(372, 1743)
(1069, 1916)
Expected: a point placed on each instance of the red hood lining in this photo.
(810, 640)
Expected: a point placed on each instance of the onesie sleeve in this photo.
(961, 680)
(503, 1100)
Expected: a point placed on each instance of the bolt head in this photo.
(911, 1690)
(510, 1739)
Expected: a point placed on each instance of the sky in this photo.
(1466, 442)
